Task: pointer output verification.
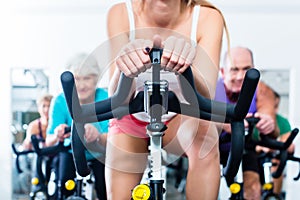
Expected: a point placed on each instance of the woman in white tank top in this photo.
(191, 36)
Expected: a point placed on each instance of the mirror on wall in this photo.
(26, 86)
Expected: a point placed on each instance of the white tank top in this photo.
(169, 76)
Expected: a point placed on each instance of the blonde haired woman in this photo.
(38, 127)
(190, 32)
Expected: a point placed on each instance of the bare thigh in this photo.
(126, 159)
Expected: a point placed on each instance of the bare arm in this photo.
(31, 130)
(117, 32)
(58, 136)
(206, 63)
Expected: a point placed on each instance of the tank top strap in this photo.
(195, 20)
(131, 20)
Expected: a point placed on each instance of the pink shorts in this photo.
(129, 125)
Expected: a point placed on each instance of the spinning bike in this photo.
(82, 187)
(236, 185)
(43, 188)
(39, 184)
(266, 160)
(156, 100)
(23, 163)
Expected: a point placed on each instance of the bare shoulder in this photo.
(209, 14)
(117, 19)
(117, 8)
(33, 127)
(211, 23)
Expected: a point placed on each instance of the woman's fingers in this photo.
(178, 54)
(134, 58)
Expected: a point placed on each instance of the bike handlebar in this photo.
(266, 141)
(48, 150)
(283, 156)
(199, 107)
(18, 154)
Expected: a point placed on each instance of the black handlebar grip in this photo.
(283, 158)
(107, 105)
(191, 95)
(79, 149)
(69, 88)
(266, 141)
(252, 121)
(51, 149)
(67, 129)
(124, 87)
(245, 98)
(35, 144)
(17, 159)
(236, 152)
(237, 112)
(291, 138)
(188, 87)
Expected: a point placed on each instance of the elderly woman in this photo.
(86, 72)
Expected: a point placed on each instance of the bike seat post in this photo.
(267, 171)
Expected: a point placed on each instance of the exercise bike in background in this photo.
(158, 101)
(83, 188)
(38, 172)
(22, 169)
(266, 162)
(236, 185)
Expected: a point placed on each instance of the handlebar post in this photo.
(155, 98)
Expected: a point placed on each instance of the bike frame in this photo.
(236, 186)
(160, 101)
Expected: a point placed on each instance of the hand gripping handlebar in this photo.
(197, 106)
(282, 147)
(271, 143)
(48, 150)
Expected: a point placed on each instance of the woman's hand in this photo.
(133, 58)
(91, 133)
(60, 134)
(178, 54)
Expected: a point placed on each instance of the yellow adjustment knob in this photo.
(141, 192)
(235, 188)
(34, 181)
(70, 185)
(267, 186)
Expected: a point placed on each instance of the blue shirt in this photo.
(59, 114)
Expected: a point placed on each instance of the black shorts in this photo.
(249, 160)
